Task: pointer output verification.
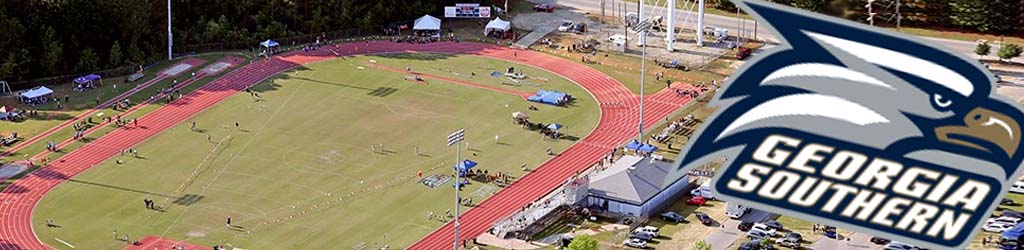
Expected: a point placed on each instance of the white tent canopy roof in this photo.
(497, 24)
(36, 92)
(427, 22)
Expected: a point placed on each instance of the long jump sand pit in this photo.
(222, 64)
(183, 66)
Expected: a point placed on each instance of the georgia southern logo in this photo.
(862, 129)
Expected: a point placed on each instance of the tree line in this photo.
(56, 37)
(999, 17)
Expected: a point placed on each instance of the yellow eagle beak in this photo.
(985, 125)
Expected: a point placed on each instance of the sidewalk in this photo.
(857, 241)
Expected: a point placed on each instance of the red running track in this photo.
(617, 124)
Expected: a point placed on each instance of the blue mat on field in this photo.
(549, 97)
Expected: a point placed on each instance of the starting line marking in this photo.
(64, 242)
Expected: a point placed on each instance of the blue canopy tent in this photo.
(86, 82)
(555, 126)
(647, 148)
(463, 167)
(634, 145)
(269, 45)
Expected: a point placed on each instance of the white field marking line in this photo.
(64, 242)
(195, 172)
(212, 206)
(233, 157)
(127, 204)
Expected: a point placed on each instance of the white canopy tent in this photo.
(497, 24)
(427, 22)
(36, 92)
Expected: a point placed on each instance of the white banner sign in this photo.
(467, 12)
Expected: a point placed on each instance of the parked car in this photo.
(579, 28)
(997, 227)
(565, 26)
(899, 246)
(649, 229)
(794, 235)
(745, 226)
(673, 217)
(756, 245)
(756, 234)
(1011, 213)
(830, 232)
(635, 243)
(646, 236)
(1006, 201)
(788, 242)
(742, 53)
(544, 7)
(765, 228)
(703, 218)
(1004, 220)
(696, 201)
(750, 246)
(879, 240)
(1018, 187)
(774, 225)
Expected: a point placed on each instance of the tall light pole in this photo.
(643, 25)
(642, 29)
(170, 36)
(700, 23)
(456, 139)
(670, 36)
(899, 17)
(871, 12)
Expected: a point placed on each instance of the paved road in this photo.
(858, 241)
(964, 47)
(721, 239)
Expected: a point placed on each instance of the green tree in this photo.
(989, 16)
(13, 67)
(583, 242)
(52, 52)
(983, 49)
(115, 57)
(811, 5)
(88, 61)
(701, 245)
(8, 67)
(1009, 51)
(725, 5)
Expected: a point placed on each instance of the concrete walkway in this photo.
(538, 32)
(857, 241)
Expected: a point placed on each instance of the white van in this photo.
(735, 211)
(704, 190)
(1018, 187)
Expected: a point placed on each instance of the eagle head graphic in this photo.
(843, 81)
